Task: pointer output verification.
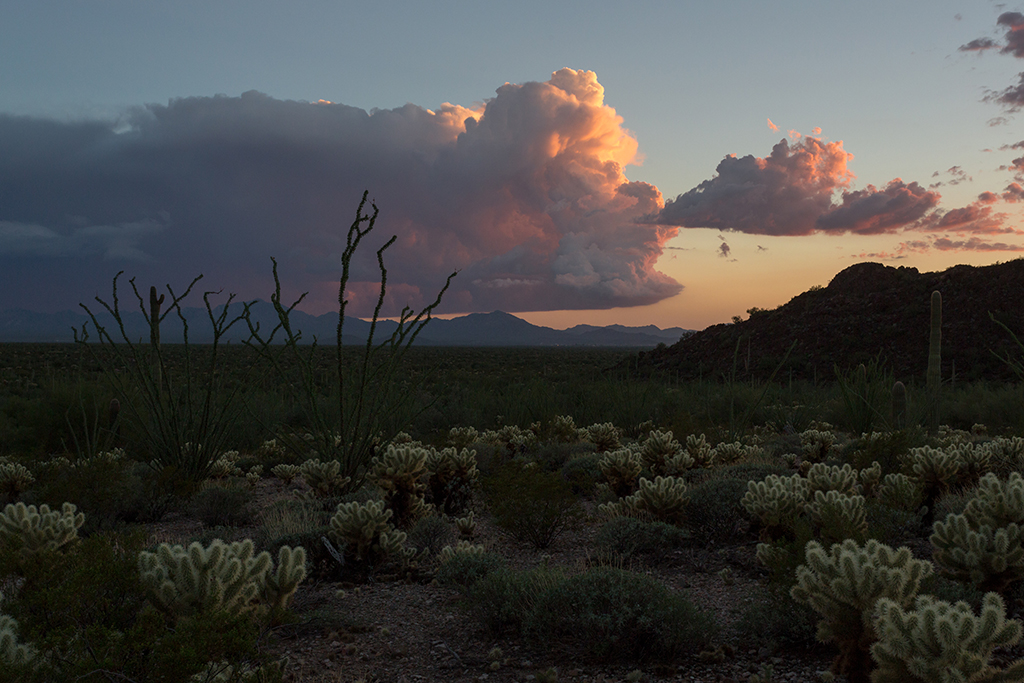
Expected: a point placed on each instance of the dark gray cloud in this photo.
(525, 195)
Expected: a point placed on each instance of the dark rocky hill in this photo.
(867, 310)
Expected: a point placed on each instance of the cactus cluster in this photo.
(816, 444)
(462, 437)
(324, 478)
(286, 473)
(364, 531)
(621, 470)
(604, 436)
(664, 499)
(699, 450)
(985, 544)
(226, 466)
(939, 642)
(663, 455)
(25, 529)
(451, 477)
(400, 472)
(221, 578)
(844, 584)
(461, 548)
(563, 429)
(15, 478)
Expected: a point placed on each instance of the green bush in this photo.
(771, 618)
(583, 473)
(465, 569)
(504, 599)
(629, 537)
(617, 614)
(750, 471)
(531, 505)
(223, 506)
(715, 510)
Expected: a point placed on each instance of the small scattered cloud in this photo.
(724, 250)
(974, 244)
(772, 126)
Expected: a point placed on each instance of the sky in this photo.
(666, 163)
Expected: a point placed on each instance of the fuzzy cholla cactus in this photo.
(466, 526)
(937, 470)
(663, 499)
(364, 530)
(662, 454)
(900, 492)
(25, 529)
(401, 474)
(226, 466)
(937, 642)
(15, 478)
(621, 469)
(11, 652)
(462, 437)
(448, 552)
(843, 586)
(1006, 454)
(451, 477)
(816, 444)
(974, 460)
(869, 479)
(728, 453)
(776, 502)
(604, 436)
(699, 450)
(563, 429)
(221, 578)
(822, 477)
(286, 473)
(324, 477)
(837, 516)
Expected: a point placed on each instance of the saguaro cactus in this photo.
(934, 377)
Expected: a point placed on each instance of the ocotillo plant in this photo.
(181, 419)
(934, 377)
(365, 405)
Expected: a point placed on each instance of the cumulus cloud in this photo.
(525, 195)
(791, 192)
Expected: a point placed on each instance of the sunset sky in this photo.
(667, 163)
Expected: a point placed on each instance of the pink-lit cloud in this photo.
(791, 192)
(974, 244)
(1014, 192)
(525, 195)
(772, 126)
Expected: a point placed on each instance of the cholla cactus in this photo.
(936, 470)
(26, 530)
(663, 455)
(281, 585)
(901, 492)
(843, 586)
(776, 502)
(452, 475)
(461, 548)
(816, 444)
(224, 578)
(728, 453)
(822, 477)
(604, 436)
(974, 462)
(621, 469)
(226, 466)
(11, 652)
(937, 642)
(462, 437)
(324, 477)
(286, 473)
(1006, 454)
(270, 450)
(869, 480)
(838, 516)
(663, 499)
(252, 477)
(466, 526)
(402, 439)
(364, 530)
(15, 478)
(401, 474)
(996, 502)
(563, 429)
(991, 558)
(699, 450)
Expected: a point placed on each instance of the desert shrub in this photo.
(629, 537)
(771, 618)
(223, 506)
(531, 505)
(290, 517)
(504, 599)
(320, 564)
(554, 455)
(750, 471)
(465, 569)
(714, 510)
(889, 525)
(583, 473)
(430, 534)
(617, 614)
